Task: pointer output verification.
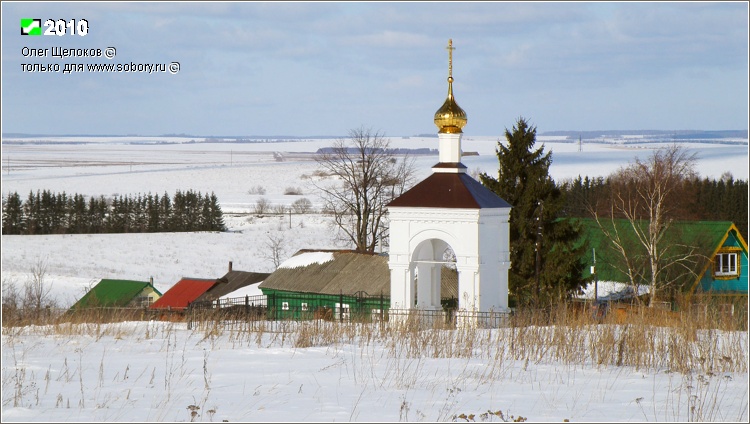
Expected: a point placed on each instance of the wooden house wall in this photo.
(289, 305)
(147, 291)
(709, 283)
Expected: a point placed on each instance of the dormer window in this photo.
(726, 264)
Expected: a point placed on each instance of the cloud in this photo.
(294, 58)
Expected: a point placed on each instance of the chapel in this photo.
(449, 211)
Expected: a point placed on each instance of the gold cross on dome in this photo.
(450, 49)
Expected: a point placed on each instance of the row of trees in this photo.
(46, 212)
(697, 199)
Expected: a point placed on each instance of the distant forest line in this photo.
(46, 212)
(676, 134)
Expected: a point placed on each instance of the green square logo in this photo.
(31, 26)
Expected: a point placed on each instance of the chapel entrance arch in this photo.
(428, 261)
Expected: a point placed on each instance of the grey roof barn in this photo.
(341, 271)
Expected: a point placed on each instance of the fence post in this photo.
(275, 310)
(382, 307)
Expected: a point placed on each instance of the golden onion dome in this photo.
(450, 118)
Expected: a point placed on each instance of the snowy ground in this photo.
(153, 372)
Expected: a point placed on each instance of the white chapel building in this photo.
(449, 209)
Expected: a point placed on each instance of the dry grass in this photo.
(642, 338)
(695, 350)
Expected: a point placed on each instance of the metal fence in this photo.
(356, 308)
(359, 307)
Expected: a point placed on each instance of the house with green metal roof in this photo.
(699, 257)
(119, 293)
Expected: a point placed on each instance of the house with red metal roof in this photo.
(183, 293)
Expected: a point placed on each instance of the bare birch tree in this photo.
(36, 290)
(367, 176)
(276, 250)
(645, 194)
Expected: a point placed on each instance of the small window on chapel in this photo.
(726, 264)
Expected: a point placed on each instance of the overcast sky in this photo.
(305, 69)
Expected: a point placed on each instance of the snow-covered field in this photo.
(154, 372)
(122, 166)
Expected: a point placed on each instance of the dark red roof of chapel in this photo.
(450, 190)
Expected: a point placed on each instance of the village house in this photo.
(338, 284)
(185, 291)
(109, 293)
(713, 262)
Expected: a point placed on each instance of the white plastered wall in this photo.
(480, 240)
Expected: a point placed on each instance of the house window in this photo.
(342, 311)
(304, 306)
(284, 306)
(726, 264)
(144, 301)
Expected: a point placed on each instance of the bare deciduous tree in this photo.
(276, 249)
(367, 176)
(645, 194)
(11, 296)
(302, 206)
(262, 206)
(36, 290)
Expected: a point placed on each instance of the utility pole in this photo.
(538, 260)
(596, 279)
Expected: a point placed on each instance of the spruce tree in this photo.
(138, 212)
(546, 265)
(216, 222)
(152, 210)
(31, 213)
(13, 214)
(165, 214)
(45, 204)
(192, 216)
(78, 220)
(97, 212)
(205, 218)
(59, 213)
(179, 210)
